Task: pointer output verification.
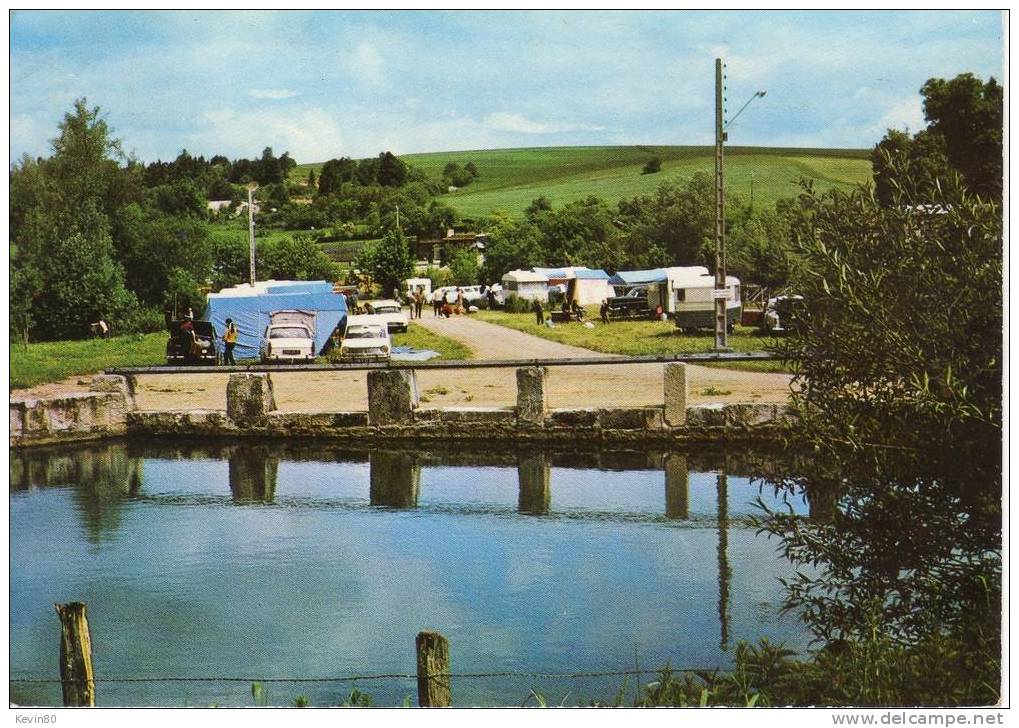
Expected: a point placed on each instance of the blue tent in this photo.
(638, 277)
(590, 275)
(250, 309)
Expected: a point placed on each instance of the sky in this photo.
(325, 84)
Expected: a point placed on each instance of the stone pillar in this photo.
(253, 474)
(249, 399)
(532, 396)
(677, 487)
(115, 384)
(676, 394)
(535, 484)
(392, 396)
(395, 479)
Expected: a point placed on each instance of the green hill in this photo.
(511, 178)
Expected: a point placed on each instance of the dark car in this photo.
(187, 348)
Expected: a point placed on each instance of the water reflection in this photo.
(395, 479)
(535, 558)
(253, 471)
(535, 478)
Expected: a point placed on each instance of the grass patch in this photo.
(639, 338)
(421, 338)
(52, 361)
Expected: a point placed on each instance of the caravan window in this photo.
(680, 295)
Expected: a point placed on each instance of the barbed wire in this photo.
(384, 676)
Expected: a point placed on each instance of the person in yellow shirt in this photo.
(229, 342)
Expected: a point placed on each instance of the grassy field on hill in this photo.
(511, 178)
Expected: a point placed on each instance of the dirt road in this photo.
(588, 386)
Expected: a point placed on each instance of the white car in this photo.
(290, 342)
(391, 312)
(366, 339)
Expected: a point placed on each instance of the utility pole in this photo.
(397, 218)
(721, 324)
(251, 235)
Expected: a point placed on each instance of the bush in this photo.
(516, 304)
(141, 321)
(653, 165)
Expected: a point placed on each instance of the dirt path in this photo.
(589, 386)
(592, 386)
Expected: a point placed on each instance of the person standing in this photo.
(604, 311)
(229, 342)
(539, 312)
(419, 302)
(437, 303)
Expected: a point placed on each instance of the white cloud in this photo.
(520, 124)
(367, 65)
(272, 93)
(308, 135)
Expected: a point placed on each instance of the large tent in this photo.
(250, 308)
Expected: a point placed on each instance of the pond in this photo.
(255, 560)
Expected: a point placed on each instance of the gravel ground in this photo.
(587, 386)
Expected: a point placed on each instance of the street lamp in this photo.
(720, 293)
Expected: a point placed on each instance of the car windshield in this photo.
(387, 309)
(288, 332)
(364, 332)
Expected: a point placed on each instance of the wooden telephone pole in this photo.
(721, 322)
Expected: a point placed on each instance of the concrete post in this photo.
(392, 396)
(676, 394)
(677, 487)
(249, 399)
(535, 485)
(532, 396)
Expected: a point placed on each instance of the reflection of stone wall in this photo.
(253, 474)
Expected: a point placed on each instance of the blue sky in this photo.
(325, 84)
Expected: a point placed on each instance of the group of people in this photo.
(416, 302)
(442, 307)
(570, 309)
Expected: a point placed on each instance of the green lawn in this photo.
(511, 178)
(52, 361)
(421, 338)
(637, 338)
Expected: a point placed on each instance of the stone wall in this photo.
(394, 414)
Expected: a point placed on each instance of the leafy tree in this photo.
(471, 169)
(964, 133)
(311, 180)
(392, 172)
(968, 115)
(653, 166)
(294, 258)
(463, 267)
(899, 402)
(512, 246)
(389, 262)
(538, 206)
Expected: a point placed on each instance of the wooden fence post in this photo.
(433, 670)
(76, 676)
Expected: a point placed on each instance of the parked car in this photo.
(366, 339)
(391, 312)
(289, 337)
(780, 314)
(192, 347)
(632, 305)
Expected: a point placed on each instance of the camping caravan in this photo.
(687, 296)
(525, 284)
(251, 309)
(578, 283)
(413, 284)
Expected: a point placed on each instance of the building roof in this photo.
(525, 276)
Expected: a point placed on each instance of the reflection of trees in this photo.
(104, 477)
